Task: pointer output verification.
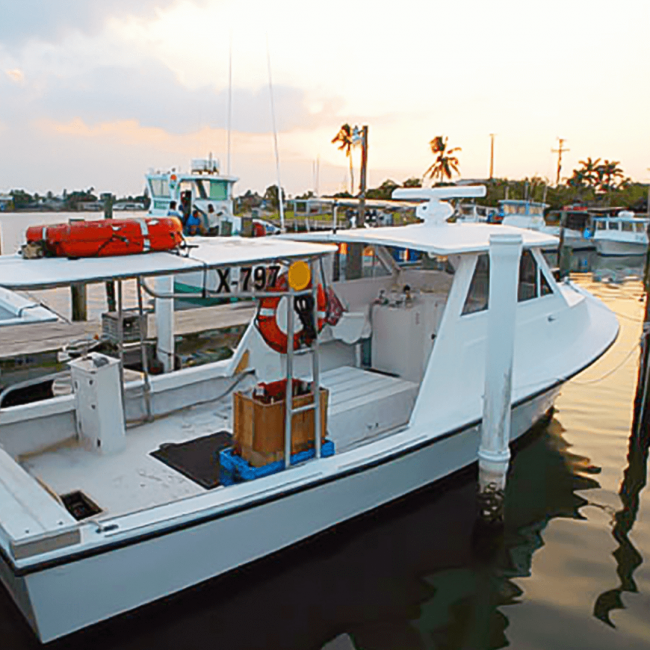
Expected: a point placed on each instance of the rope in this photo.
(608, 373)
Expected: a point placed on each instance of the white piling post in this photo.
(165, 322)
(494, 450)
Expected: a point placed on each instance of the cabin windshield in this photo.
(532, 282)
(372, 264)
(159, 187)
(208, 188)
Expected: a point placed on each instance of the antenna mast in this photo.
(229, 104)
(275, 139)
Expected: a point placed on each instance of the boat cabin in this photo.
(202, 187)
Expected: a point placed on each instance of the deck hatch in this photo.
(79, 505)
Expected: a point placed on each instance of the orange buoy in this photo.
(267, 318)
(107, 237)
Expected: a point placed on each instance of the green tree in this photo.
(446, 163)
(589, 171)
(271, 196)
(609, 176)
(384, 191)
(21, 199)
(412, 182)
(345, 139)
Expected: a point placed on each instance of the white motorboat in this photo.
(621, 235)
(530, 214)
(99, 514)
(19, 310)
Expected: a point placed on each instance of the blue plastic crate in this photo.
(234, 468)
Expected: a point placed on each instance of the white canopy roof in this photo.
(205, 252)
(443, 239)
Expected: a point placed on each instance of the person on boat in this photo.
(173, 211)
(186, 206)
(212, 221)
(194, 224)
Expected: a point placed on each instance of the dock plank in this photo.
(37, 338)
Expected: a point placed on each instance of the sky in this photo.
(94, 94)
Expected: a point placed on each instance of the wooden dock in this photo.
(40, 338)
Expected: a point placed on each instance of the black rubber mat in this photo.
(197, 459)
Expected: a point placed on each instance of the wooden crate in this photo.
(258, 427)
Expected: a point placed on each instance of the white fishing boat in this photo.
(203, 186)
(120, 494)
(206, 189)
(528, 214)
(621, 235)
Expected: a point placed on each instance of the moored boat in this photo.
(118, 495)
(621, 235)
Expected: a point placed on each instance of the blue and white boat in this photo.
(621, 235)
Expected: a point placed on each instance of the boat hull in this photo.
(152, 564)
(608, 247)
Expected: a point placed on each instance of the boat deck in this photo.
(363, 406)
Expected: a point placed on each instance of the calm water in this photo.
(569, 570)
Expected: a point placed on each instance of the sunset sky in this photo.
(96, 93)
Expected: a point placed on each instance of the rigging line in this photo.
(229, 105)
(589, 381)
(630, 318)
(275, 137)
(609, 372)
(43, 303)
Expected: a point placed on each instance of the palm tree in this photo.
(345, 138)
(609, 175)
(590, 171)
(445, 164)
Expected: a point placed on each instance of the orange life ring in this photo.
(267, 322)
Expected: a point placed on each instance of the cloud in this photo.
(16, 75)
(51, 21)
(150, 94)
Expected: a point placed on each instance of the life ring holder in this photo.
(266, 319)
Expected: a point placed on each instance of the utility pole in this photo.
(364, 177)
(492, 155)
(559, 151)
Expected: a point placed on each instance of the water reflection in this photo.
(627, 557)
(466, 610)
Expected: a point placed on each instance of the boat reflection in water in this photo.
(627, 557)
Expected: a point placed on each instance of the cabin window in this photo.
(639, 227)
(373, 267)
(527, 277)
(600, 225)
(627, 226)
(218, 190)
(159, 187)
(613, 225)
(479, 288)
(544, 285)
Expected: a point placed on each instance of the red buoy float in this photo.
(106, 237)
(267, 318)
